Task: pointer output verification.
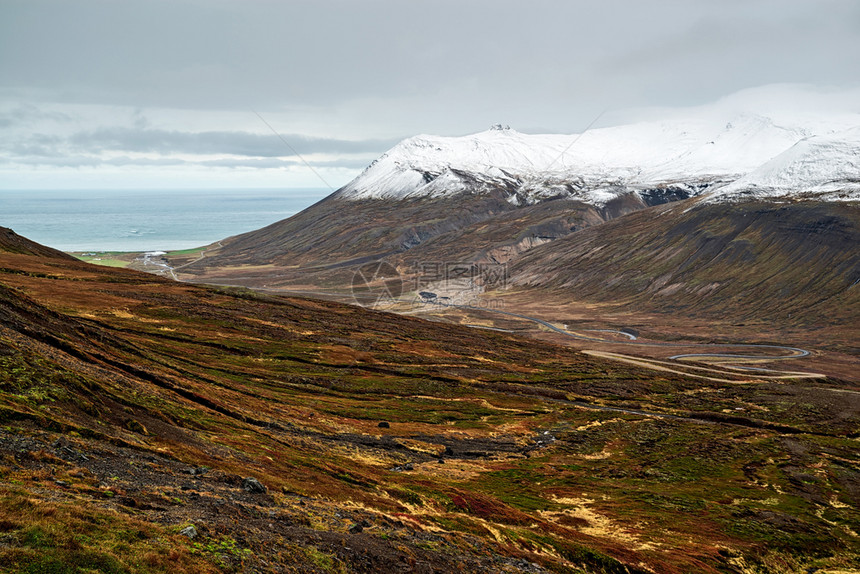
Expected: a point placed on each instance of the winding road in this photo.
(757, 373)
(788, 352)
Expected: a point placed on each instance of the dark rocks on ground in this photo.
(357, 527)
(384, 425)
(526, 566)
(254, 486)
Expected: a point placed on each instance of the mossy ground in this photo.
(115, 385)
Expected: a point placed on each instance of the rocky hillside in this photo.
(787, 263)
(153, 426)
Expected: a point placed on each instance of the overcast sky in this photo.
(111, 93)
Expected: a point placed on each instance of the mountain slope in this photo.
(435, 197)
(780, 244)
(133, 408)
(786, 263)
(11, 242)
(327, 242)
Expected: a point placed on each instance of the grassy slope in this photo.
(352, 230)
(785, 264)
(149, 401)
(105, 259)
(461, 229)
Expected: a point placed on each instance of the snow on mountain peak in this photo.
(825, 167)
(594, 166)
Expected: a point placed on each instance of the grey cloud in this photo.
(61, 160)
(26, 114)
(39, 145)
(743, 44)
(71, 160)
(143, 162)
(217, 142)
(249, 146)
(273, 163)
(237, 54)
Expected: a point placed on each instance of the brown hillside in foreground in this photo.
(133, 407)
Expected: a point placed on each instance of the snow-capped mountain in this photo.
(699, 154)
(495, 196)
(824, 167)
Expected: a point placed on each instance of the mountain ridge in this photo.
(594, 166)
(439, 198)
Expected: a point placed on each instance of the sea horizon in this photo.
(140, 220)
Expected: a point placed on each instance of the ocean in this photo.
(146, 220)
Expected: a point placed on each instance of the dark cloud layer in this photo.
(24, 114)
(65, 160)
(499, 53)
(203, 143)
(253, 150)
